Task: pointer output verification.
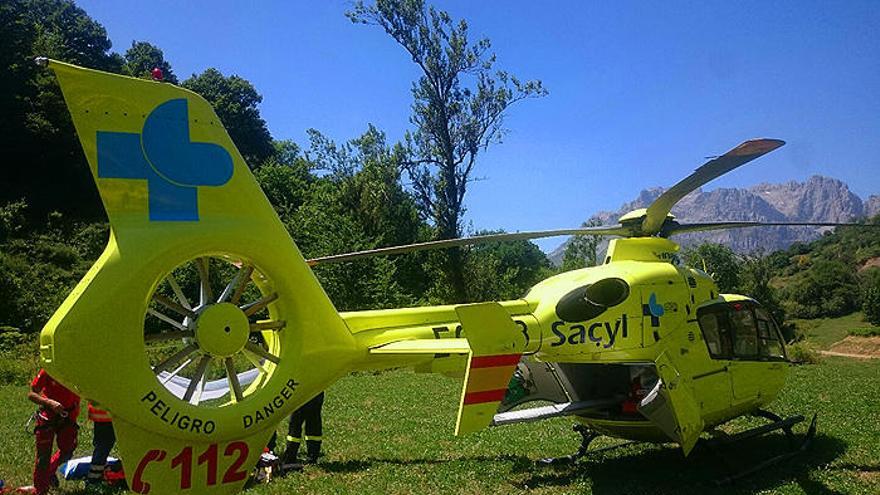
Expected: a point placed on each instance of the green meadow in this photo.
(392, 433)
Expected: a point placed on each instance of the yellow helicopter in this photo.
(201, 326)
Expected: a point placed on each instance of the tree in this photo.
(870, 282)
(142, 58)
(757, 271)
(286, 152)
(719, 261)
(236, 102)
(45, 163)
(367, 175)
(286, 186)
(66, 32)
(504, 270)
(582, 250)
(827, 289)
(337, 198)
(454, 119)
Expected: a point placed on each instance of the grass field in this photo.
(826, 331)
(392, 433)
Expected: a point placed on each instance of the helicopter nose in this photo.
(591, 300)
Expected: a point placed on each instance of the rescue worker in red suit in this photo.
(56, 422)
(102, 442)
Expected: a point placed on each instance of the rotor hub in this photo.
(222, 329)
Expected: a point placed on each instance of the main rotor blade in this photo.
(712, 169)
(466, 241)
(677, 228)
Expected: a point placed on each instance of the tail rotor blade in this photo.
(712, 169)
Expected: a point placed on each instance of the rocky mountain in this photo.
(819, 199)
(872, 205)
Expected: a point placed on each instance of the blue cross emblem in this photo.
(163, 155)
(655, 308)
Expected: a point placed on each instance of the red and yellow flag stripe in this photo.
(486, 384)
(488, 378)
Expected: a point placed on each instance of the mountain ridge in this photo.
(817, 199)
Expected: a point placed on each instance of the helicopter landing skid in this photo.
(587, 437)
(778, 423)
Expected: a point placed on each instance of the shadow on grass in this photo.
(641, 469)
(662, 470)
(519, 463)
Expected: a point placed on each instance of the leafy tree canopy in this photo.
(504, 270)
(582, 250)
(236, 102)
(36, 132)
(458, 109)
(142, 58)
(719, 261)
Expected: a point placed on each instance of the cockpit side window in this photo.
(716, 332)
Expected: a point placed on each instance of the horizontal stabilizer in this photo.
(552, 411)
(424, 346)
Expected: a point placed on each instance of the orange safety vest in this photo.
(98, 415)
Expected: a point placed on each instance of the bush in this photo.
(11, 338)
(827, 289)
(871, 296)
(19, 360)
(12, 218)
(803, 353)
(865, 332)
(39, 270)
(791, 333)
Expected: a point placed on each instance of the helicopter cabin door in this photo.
(757, 369)
(748, 338)
(671, 406)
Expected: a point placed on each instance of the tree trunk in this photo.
(455, 272)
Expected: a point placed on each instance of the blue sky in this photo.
(640, 92)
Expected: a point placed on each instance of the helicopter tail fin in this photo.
(159, 155)
(176, 189)
(491, 363)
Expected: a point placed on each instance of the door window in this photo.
(745, 331)
(769, 341)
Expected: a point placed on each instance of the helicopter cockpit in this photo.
(740, 330)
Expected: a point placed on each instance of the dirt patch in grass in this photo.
(871, 263)
(869, 476)
(861, 346)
